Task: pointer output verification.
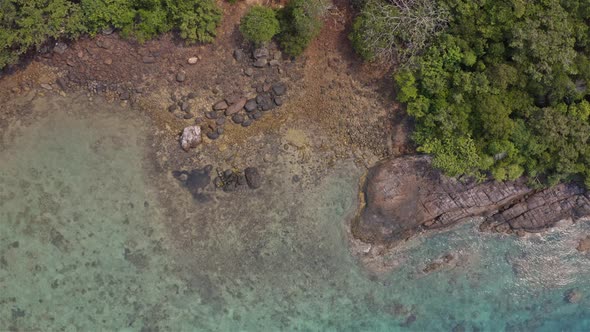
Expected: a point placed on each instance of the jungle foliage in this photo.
(501, 89)
(28, 24)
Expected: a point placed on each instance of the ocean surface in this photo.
(88, 243)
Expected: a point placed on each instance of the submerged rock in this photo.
(253, 177)
(573, 296)
(195, 181)
(190, 138)
(406, 195)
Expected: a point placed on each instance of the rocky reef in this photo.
(406, 195)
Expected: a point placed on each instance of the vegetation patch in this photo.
(28, 24)
(259, 25)
(500, 89)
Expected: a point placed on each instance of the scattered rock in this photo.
(278, 101)
(108, 30)
(234, 108)
(148, 59)
(274, 63)
(218, 182)
(279, 89)
(220, 121)
(62, 82)
(108, 61)
(60, 47)
(256, 115)
(188, 116)
(260, 53)
(253, 177)
(181, 76)
(46, 86)
(192, 60)
(238, 55)
(212, 115)
(192, 95)
(213, 135)
(237, 118)
(172, 108)
(233, 99)
(260, 63)
(191, 137)
(584, 244)
(220, 105)
(125, 95)
(246, 123)
(251, 105)
(103, 43)
(220, 130)
(196, 180)
(265, 102)
(249, 72)
(185, 106)
(573, 296)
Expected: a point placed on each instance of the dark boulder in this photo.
(253, 177)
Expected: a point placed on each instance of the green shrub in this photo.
(301, 21)
(196, 20)
(259, 25)
(28, 24)
(506, 94)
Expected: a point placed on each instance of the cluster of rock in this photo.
(404, 196)
(198, 179)
(235, 108)
(182, 106)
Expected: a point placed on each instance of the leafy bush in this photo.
(28, 24)
(505, 94)
(196, 20)
(259, 25)
(301, 22)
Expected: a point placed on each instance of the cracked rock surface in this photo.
(404, 196)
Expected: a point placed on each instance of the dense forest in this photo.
(496, 87)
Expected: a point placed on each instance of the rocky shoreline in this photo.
(405, 196)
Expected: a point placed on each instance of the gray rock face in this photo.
(404, 196)
(191, 137)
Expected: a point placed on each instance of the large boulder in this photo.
(404, 196)
(190, 138)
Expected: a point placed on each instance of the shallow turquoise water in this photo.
(87, 243)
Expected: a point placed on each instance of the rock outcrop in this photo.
(404, 196)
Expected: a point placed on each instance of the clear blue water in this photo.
(92, 238)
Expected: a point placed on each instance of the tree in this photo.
(395, 30)
(259, 25)
(301, 22)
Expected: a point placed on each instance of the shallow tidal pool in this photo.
(88, 242)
